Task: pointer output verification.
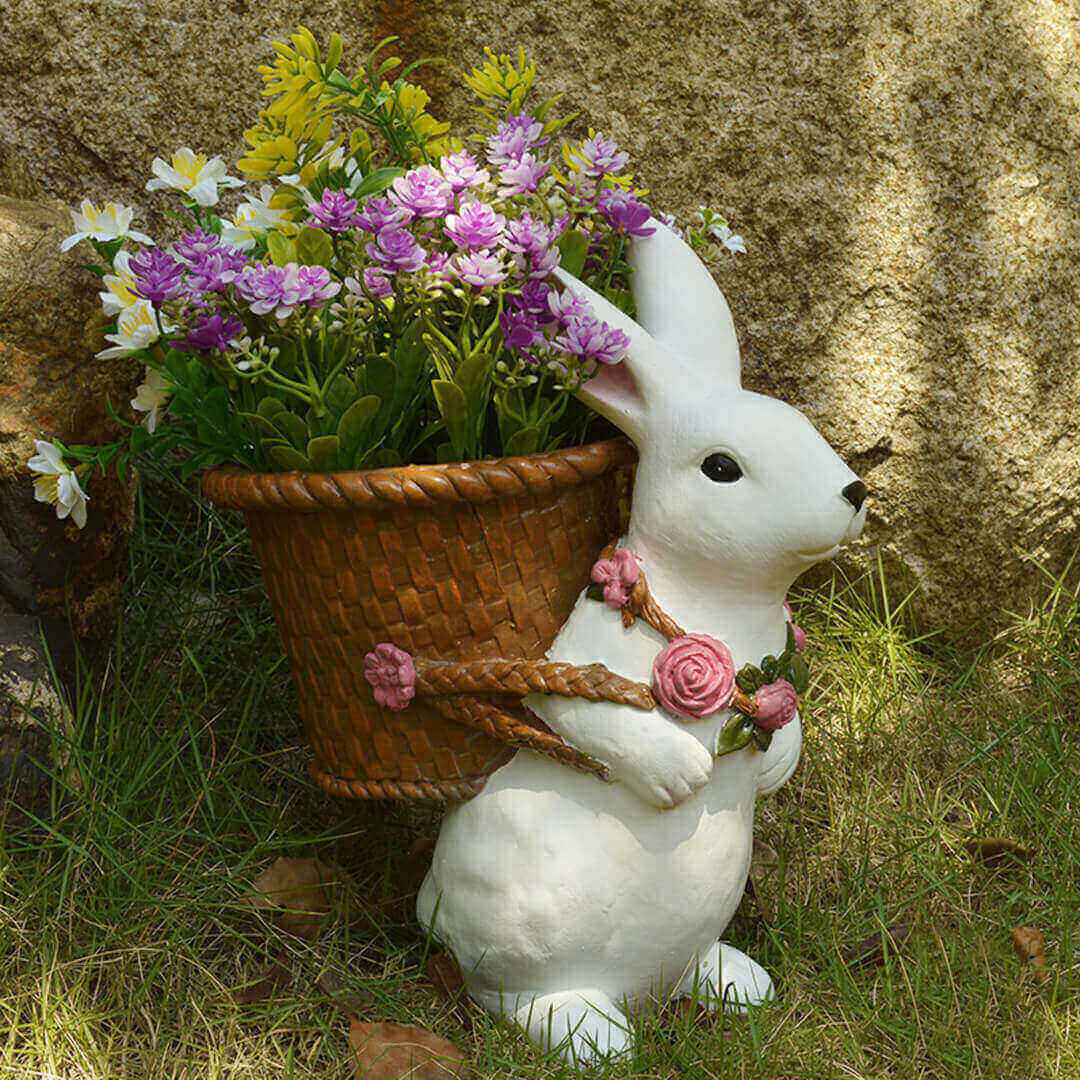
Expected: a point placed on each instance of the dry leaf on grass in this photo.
(1030, 946)
(398, 1052)
(759, 882)
(279, 974)
(869, 953)
(295, 891)
(998, 850)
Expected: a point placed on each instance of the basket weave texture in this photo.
(472, 561)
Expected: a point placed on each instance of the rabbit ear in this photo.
(622, 392)
(681, 306)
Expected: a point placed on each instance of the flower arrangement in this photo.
(388, 294)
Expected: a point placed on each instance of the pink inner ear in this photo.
(614, 386)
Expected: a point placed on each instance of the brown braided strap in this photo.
(470, 481)
(430, 791)
(517, 732)
(594, 682)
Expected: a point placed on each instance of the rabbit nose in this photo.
(855, 493)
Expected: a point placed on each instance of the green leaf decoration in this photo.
(446, 454)
(474, 379)
(313, 247)
(750, 679)
(260, 424)
(623, 299)
(574, 247)
(354, 421)
(769, 669)
(270, 406)
(287, 361)
(800, 674)
(525, 441)
(292, 427)
(595, 592)
(763, 739)
(284, 456)
(789, 645)
(450, 399)
(281, 249)
(385, 458)
(340, 393)
(323, 453)
(735, 734)
(376, 181)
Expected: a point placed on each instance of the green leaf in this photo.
(385, 458)
(769, 669)
(281, 249)
(410, 356)
(292, 427)
(735, 734)
(313, 247)
(340, 393)
(446, 454)
(574, 247)
(376, 181)
(261, 425)
(789, 643)
(750, 679)
(525, 441)
(323, 453)
(474, 379)
(354, 421)
(455, 413)
(284, 456)
(287, 360)
(595, 592)
(800, 674)
(270, 406)
(763, 739)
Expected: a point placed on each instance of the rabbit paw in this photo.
(581, 1025)
(725, 977)
(666, 769)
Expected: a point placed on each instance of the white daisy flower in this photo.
(136, 328)
(119, 292)
(197, 176)
(111, 222)
(151, 395)
(57, 484)
(253, 217)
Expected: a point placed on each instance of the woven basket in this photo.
(470, 561)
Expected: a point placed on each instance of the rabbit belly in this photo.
(551, 880)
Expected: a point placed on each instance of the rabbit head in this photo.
(733, 482)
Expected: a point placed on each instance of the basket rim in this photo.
(231, 487)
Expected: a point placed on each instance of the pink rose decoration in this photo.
(800, 634)
(776, 704)
(618, 575)
(392, 675)
(694, 676)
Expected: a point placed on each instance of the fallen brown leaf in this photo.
(387, 1051)
(998, 850)
(1030, 946)
(295, 891)
(763, 864)
(279, 974)
(869, 953)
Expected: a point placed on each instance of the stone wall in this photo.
(906, 176)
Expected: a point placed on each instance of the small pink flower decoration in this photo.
(776, 704)
(392, 675)
(694, 676)
(800, 634)
(618, 575)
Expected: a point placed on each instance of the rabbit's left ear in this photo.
(681, 306)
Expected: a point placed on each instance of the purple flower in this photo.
(521, 330)
(335, 212)
(397, 248)
(513, 138)
(376, 281)
(438, 268)
(424, 191)
(381, 213)
(193, 245)
(592, 339)
(602, 156)
(476, 225)
(565, 306)
(521, 176)
(281, 289)
(534, 298)
(480, 269)
(215, 332)
(624, 213)
(158, 276)
(462, 171)
(211, 271)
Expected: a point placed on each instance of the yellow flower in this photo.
(500, 79)
(120, 291)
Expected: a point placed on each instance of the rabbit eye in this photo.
(722, 468)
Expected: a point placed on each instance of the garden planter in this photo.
(470, 561)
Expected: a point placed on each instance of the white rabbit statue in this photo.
(569, 901)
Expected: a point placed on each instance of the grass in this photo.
(125, 932)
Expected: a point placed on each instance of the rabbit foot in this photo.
(580, 1025)
(725, 977)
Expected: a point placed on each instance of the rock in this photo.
(51, 384)
(906, 177)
